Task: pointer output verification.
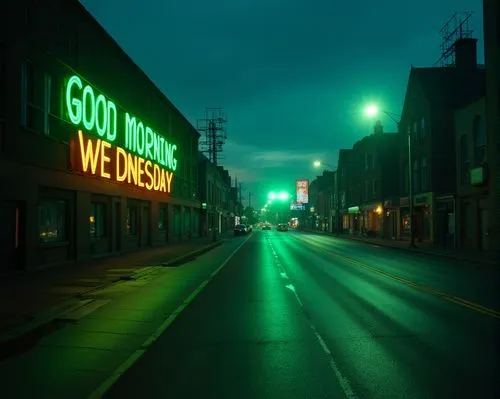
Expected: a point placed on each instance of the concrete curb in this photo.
(42, 318)
(408, 249)
(191, 255)
(11, 337)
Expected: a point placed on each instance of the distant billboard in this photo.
(302, 187)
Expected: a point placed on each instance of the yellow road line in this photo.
(460, 301)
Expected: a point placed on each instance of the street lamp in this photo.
(317, 164)
(372, 111)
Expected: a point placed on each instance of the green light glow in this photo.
(73, 105)
(371, 110)
(88, 120)
(99, 115)
(283, 196)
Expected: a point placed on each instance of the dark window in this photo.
(97, 219)
(479, 135)
(422, 127)
(162, 217)
(464, 160)
(131, 226)
(375, 187)
(52, 221)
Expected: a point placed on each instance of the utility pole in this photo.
(249, 199)
(213, 127)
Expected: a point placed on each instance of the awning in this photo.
(353, 209)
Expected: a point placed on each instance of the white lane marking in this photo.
(284, 275)
(115, 376)
(292, 288)
(343, 381)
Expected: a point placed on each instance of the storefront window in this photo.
(97, 219)
(131, 220)
(52, 221)
(162, 218)
(405, 224)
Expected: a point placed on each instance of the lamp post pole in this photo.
(214, 213)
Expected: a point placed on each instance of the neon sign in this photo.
(140, 156)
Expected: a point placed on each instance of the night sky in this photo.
(292, 76)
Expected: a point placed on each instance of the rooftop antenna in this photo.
(457, 27)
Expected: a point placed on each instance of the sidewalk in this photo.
(423, 248)
(30, 300)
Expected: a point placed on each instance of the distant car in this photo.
(240, 230)
(266, 226)
(282, 227)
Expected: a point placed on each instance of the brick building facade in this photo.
(97, 160)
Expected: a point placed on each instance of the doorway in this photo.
(145, 232)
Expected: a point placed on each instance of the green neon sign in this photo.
(99, 115)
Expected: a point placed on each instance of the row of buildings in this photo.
(447, 148)
(94, 159)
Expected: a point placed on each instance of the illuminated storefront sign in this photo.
(131, 152)
(302, 188)
(297, 207)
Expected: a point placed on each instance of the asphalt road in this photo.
(296, 315)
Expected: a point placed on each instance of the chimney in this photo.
(466, 53)
(378, 128)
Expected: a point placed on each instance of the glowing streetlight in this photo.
(318, 164)
(283, 196)
(271, 195)
(371, 110)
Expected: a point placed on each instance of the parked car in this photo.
(240, 230)
(282, 227)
